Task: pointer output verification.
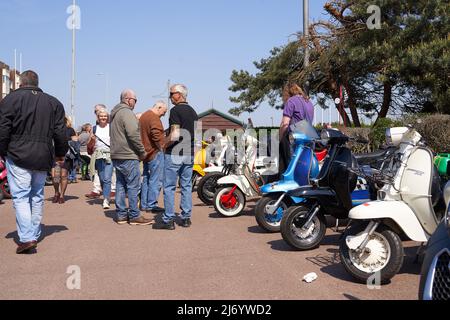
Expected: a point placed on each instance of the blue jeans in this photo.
(27, 190)
(105, 171)
(128, 177)
(152, 182)
(73, 174)
(174, 167)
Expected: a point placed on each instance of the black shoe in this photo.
(156, 210)
(186, 223)
(164, 226)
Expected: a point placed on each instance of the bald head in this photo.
(160, 109)
(128, 97)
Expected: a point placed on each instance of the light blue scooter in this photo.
(303, 166)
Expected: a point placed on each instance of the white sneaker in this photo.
(106, 204)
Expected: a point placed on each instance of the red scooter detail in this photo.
(229, 200)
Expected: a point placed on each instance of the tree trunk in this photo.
(352, 106)
(387, 100)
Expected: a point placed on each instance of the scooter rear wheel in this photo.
(234, 206)
(292, 228)
(382, 259)
(207, 186)
(270, 222)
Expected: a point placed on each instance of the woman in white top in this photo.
(102, 154)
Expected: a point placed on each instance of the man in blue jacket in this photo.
(32, 134)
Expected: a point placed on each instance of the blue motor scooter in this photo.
(303, 166)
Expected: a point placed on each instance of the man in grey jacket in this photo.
(126, 152)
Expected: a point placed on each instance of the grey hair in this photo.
(125, 93)
(182, 89)
(160, 104)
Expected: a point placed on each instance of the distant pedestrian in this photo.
(152, 134)
(84, 138)
(126, 152)
(179, 159)
(32, 133)
(60, 173)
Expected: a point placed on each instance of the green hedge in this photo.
(435, 129)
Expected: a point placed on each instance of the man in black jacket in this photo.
(32, 134)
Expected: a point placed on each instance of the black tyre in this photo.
(234, 207)
(384, 255)
(270, 222)
(292, 228)
(207, 187)
(4, 189)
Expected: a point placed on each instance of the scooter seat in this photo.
(367, 158)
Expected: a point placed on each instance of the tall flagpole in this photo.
(306, 35)
(72, 98)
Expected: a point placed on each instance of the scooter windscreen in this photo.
(306, 128)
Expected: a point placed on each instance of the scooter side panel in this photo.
(398, 211)
(241, 182)
(416, 187)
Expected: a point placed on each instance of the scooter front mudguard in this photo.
(241, 182)
(199, 170)
(280, 188)
(398, 211)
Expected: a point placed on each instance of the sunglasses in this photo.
(173, 93)
(135, 100)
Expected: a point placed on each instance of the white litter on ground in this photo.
(310, 277)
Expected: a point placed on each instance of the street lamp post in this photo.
(72, 95)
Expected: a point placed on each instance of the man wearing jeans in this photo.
(152, 134)
(179, 159)
(126, 152)
(32, 133)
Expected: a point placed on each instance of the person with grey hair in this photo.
(152, 134)
(32, 137)
(126, 152)
(96, 191)
(179, 159)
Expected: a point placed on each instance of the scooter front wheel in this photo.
(380, 260)
(229, 201)
(299, 236)
(207, 186)
(270, 222)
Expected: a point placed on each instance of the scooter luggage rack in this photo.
(375, 177)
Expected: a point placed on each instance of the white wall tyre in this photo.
(234, 206)
(293, 233)
(207, 186)
(270, 223)
(384, 255)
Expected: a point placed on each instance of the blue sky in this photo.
(141, 44)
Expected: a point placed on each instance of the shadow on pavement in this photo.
(249, 211)
(47, 231)
(257, 230)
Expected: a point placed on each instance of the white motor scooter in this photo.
(405, 206)
(233, 190)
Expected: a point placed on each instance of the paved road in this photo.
(217, 258)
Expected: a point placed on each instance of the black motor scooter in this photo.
(304, 225)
